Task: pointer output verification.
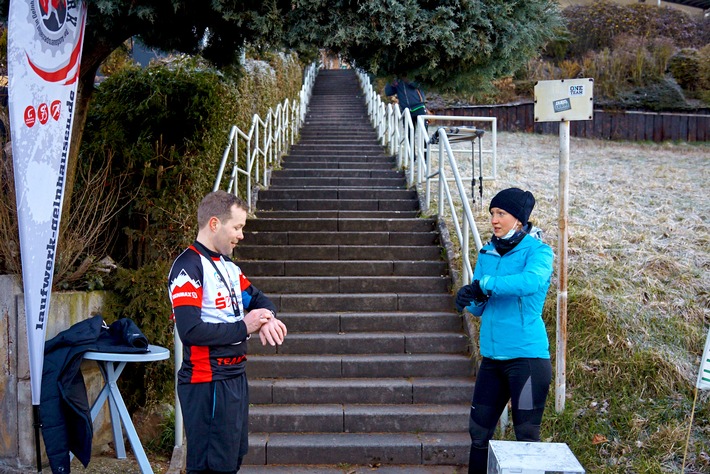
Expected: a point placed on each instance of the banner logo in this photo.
(54, 14)
(30, 116)
(56, 24)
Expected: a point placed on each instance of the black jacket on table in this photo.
(210, 296)
(64, 407)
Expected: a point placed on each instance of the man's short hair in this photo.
(218, 204)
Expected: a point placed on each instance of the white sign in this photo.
(44, 46)
(564, 100)
(704, 372)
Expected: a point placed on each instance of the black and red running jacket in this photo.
(214, 337)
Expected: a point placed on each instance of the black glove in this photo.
(469, 293)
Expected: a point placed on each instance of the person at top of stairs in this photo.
(216, 310)
(409, 96)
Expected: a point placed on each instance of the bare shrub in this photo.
(635, 59)
(569, 69)
(84, 238)
(9, 247)
(662, 50)
(88, 233)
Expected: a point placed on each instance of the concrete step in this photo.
(353, 157)
(359, 418)
(362, 366)
(335, 194)
(372, 449)
(342, 225)
(355, 147)
(337, 252)
(340, 204)
(344, 238)
(348, 158)
(345, 140)
(317, 166)
(351, 284)
(334, 155)
(333, 213)
(341, 132)
(368, 302)
(335, 126)
(367, 343)
(254, 268)
(334, 181)
(415, 390)
(346, 322)
(345, 468)
(336, 173)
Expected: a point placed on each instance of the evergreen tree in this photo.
(450, 44)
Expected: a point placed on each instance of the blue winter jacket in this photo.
(511, 319)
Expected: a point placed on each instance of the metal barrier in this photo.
(267, 140)
(413, 150)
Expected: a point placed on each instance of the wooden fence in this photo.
(609, 125)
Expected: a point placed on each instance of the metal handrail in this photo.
(267, 140)
(395, 131)
(278, 129)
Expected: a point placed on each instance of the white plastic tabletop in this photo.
(154, 353)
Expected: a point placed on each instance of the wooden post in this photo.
(560, 378)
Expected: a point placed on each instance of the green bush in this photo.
(704, 68)
(142, 295)
(664, 95)
(162, 131)
(684, 67)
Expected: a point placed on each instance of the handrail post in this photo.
(236, 164)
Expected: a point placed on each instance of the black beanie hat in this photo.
(516, 202)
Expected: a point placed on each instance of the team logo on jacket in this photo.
(185, 290)
(221, 302)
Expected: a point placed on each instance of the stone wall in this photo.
(17, 445)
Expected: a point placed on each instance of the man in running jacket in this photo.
(216, 309)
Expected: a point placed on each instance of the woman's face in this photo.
(502, 222)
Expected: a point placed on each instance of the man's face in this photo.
(228, 233)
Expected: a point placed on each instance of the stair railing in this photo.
(254, 152)
(269, 139)
(396, 132)
(466, 224)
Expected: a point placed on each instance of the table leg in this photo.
(99, 402)
(117, 403)
(111, 373)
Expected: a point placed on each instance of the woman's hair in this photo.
(218, 204)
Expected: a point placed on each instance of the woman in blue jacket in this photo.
(508, 291)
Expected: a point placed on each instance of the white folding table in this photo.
(111, 365)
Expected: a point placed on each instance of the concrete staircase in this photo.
(376, 367)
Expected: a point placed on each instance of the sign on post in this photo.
(563, 101)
